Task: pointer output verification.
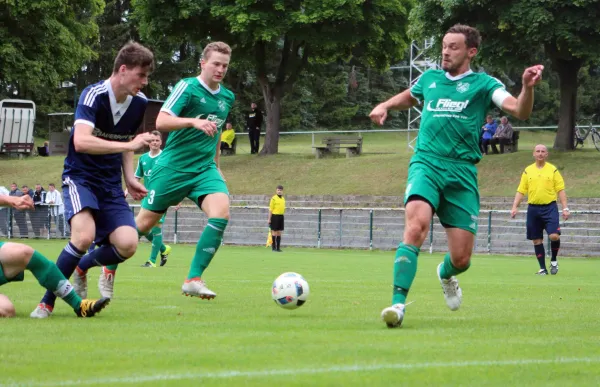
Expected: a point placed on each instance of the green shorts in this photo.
(162, 218)
(3, 279)
(167, 187)
(450, 186)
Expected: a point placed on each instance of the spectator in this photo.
(25, 190)
(503, 135)
(227, 137)
(19, 215)
(57, 209)
(39, 216)
(276, 211)
(254, 120)
(487, 132)
(4, 214)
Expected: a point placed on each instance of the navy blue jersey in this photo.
(111, 121)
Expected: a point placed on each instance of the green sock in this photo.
(448, 269)
(163, 248)
(50, 277)
(207, 246)
(156, 243)
(405, 270)
(112, 267)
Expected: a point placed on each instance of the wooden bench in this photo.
(513, 146)
(330, 145)
(16, 147)
(230, 151)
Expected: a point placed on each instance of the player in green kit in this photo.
(442, 177)
(195, 114)
(145, 165)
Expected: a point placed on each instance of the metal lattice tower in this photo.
(419, 63)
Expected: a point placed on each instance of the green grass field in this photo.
(381, 170)
(513, 329)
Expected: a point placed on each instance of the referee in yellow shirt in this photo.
(276, 211)
(542, 183)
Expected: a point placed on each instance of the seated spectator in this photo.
(488, 130)
(503, 135)
(227, 137)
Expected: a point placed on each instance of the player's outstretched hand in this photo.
(378, 115)
(208, 127)
(532, 75)
(136, 190)
(24, 202)
(140, 141)
(513, 212)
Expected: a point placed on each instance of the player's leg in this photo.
(16, 257)
(553, 230)
(7, 309)
(116, 235)
(83, 230)
(216, 208)
(535, 233)
(277, 224)
(459, 213)
(421, 198)
(156, 234)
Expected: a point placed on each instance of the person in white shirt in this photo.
(57, 209)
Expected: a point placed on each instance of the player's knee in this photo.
(415, 233)
(7, 309)
(127, 247)
(17, 254)
(554, 237)
(82, 241)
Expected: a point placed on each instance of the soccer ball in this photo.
(290, 290)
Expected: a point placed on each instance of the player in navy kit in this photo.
(101, 146)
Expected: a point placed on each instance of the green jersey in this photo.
(145, 165)
(454, 110)
(190, 149)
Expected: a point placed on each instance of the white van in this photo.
(17, 119)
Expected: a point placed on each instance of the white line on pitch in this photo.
(302, 371)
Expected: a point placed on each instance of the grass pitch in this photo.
(514, 328)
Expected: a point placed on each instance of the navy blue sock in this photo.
(67, 262)
(103, 256)
(540, 254)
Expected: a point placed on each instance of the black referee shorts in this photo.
(276, 222)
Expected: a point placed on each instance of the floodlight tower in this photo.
(419, 63)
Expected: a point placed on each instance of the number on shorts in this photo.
(151, 197)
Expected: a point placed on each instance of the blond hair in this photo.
(221, 47)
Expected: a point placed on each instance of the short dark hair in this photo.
(24, 186)
(472, 35)
(133, 54)
(51, 185)
(156, 133)
(279, 187)
(221, 47)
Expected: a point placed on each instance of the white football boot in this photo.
(452, 292)
(393, 315)
(41, 311)
(106, 283)
(197, 288)
(80, 283)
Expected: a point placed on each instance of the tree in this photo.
(43, 43)
(513, 30)
(279, 38)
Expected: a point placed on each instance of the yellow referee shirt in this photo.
(277, 205)
(541, 185)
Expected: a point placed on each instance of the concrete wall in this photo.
(350, 227)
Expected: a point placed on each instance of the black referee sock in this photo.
(554, 246)
(540, 254)
(278, 238)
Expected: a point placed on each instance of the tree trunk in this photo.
(272, 97)
(567, 73)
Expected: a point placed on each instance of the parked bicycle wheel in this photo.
(576, 139)
(596, 139)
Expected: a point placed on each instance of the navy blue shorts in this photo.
(540, 218)
(109, 207)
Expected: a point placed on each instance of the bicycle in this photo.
(580, 135)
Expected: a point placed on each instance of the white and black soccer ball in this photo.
(290, 290)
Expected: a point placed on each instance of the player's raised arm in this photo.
(85, 142)
(166, 122)
(522, 106)
(401, 101)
